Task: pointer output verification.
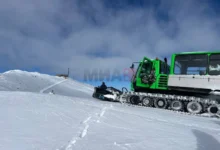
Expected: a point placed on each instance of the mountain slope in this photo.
(32, 119)
(17, 80)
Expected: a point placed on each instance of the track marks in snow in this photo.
(84, 132)
(87, 119)
(81, 135)
(121, 146)
(69, 146)
(48, 87)
(101, 114)
(96, 117)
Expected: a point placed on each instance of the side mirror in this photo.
(132, 66)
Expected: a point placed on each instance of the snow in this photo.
(215, 93)
(212, 68)
(71, 119)
(17, 80)
(110, 96)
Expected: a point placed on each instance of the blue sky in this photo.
(50, 36)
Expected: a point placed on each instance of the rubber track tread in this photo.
(204, 101)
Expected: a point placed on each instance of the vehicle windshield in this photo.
(214, 64)
(191, 64)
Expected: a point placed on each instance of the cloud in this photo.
(53, 34)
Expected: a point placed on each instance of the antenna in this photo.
(165, 59)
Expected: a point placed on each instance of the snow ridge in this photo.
(17, 80)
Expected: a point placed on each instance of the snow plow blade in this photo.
(108, 94)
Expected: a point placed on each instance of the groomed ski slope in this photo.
(17, 80)
(32, 119)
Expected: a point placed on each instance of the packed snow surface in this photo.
(69, 119)
(17, 80)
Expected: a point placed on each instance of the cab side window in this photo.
(214, 64)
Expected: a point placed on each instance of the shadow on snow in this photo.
(205, 141)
